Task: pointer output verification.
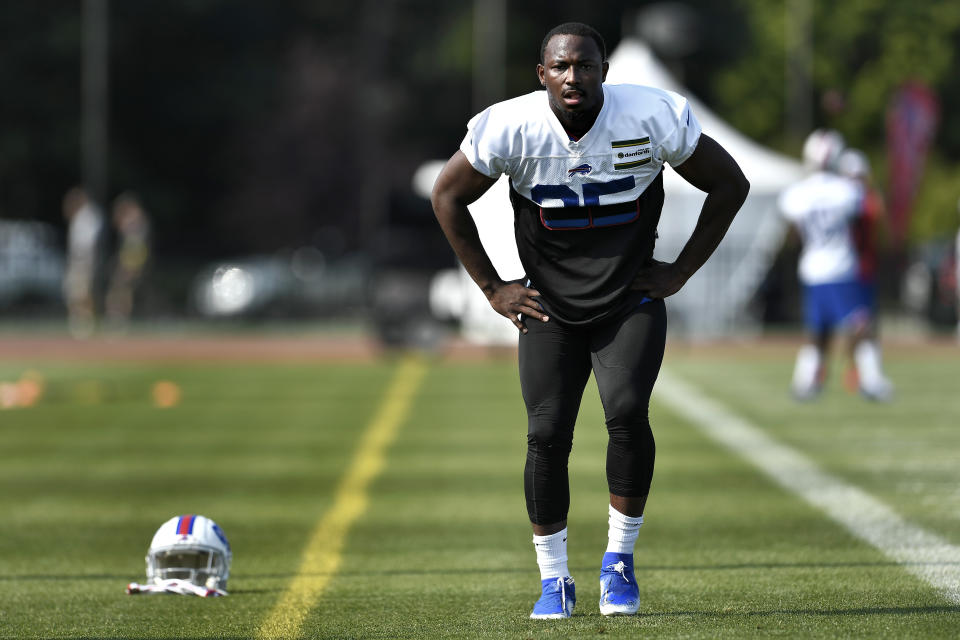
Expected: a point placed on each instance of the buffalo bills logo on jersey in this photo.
(582, 170)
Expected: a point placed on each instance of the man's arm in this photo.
(711, 169)
(458, 185)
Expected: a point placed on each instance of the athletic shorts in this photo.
(835, 305)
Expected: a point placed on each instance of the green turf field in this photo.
(443, 548)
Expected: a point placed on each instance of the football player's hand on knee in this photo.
(513, 301)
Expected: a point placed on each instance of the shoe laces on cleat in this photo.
(558, 599)
(562, 585)
(621, 568)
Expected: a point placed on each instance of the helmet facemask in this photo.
(202, 566)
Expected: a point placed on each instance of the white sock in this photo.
(622, 532)
(866, 355)
(805, 370)
(552, 555)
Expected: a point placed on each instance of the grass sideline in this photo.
(443, 551)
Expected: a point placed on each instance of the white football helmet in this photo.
(822, 149)
(190, 548)
(853, 163)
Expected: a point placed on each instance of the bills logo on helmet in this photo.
(219, 533)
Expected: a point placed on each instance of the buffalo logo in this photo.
(582, 169)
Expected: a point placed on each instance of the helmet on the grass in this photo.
(190, 548)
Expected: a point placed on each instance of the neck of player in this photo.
(577, 123)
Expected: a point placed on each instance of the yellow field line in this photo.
(323, 554)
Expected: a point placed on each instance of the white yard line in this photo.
(924, 554)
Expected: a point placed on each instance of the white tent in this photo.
(714, 301)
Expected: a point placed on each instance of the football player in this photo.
(853, 164)
(825, 208)
(585, 162)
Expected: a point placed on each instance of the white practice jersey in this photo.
(585, 211)
(638, 129)
(823, 207)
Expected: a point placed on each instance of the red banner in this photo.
(912, 119)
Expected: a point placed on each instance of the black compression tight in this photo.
(555, 363)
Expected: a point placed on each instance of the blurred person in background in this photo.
(132, 226)
(824, 208)
(585, 162)
(854, 164)
(84, 234)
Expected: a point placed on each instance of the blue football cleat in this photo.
(558, 599)
(619, 593)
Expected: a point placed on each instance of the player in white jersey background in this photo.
(825, 208)
(585, 162)
(853, 164)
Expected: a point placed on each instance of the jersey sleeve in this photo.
(484, 146)
(789, 205)
(678, 145)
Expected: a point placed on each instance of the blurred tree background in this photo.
(862, 52)
(250, 126)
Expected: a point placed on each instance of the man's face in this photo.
(573, 72)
